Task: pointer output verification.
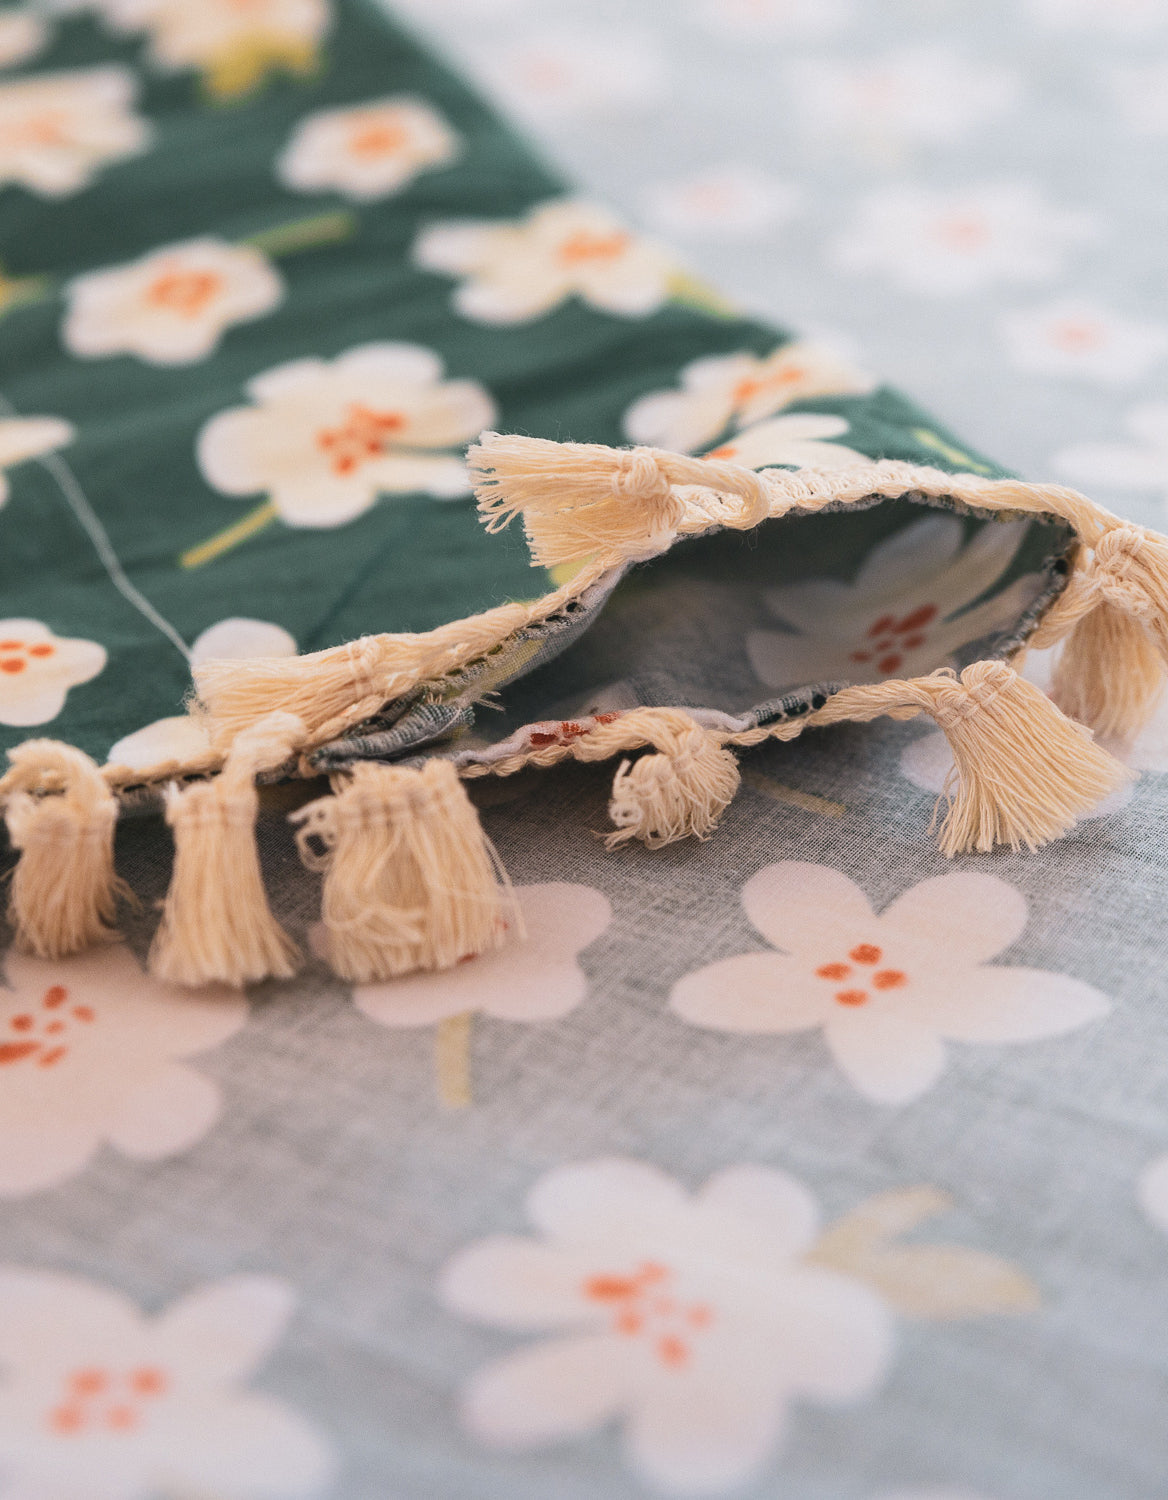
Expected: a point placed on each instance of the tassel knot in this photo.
(679, 791)
(61, 815)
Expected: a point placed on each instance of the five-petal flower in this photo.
(103, 1402)
(88, 1049)
(325, 438)
(889, 990)
(696, 1319)
(367, 151)
(58, 129)
(172, 306)
(911, 605)
(37, 669)
(518, 270)
(739, 391)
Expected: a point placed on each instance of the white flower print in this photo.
(1152, 1191)
(911, 605)
(697, 1320)
(518, 270)
(37, 669)
(1078, 338)
(534, 978)
(103, 1402)
(928, 761)
(366, 151)
(562, 72)
(730, 202)
(1133, 17)
(185, 737)
(1142, 465)
(926, 92)
(22, 438)
(22, 35)
(172, 306)
(737, 390)
(89, 1050)
(887, 990)
(58, 129)
(1140, 95)
(943, 242)
(780, 20)
(801, 440)
(233, 42)
(324, 438)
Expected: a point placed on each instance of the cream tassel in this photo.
(61, 815)
(680, 791)
(582, 500)
(216, 924)
(410, 879)
(1111, 671)
(1024, 773)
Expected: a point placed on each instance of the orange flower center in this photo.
(377, 138)
(961, 231)
(861, 975)
(363, 435)
(889, 640)
(582, 248)
(1076, 335)
(98, 1400)
(47, 127)
(644, 1304)
(184, 292)
(16, 655)
(38, 1035)
(777, 382)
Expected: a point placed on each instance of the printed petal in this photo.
(999, 1004)
(550, 1392)
(242, 1446)
(754, 992)
(518, 1283)
(38, 1153)
(969, 917)
(166, 1114)
(590, 1201)
(800, 907)
(775, 1206)
(887, 1059)
(28, 437)
(910, 559)
(708, 1433)
(221, 1332)
(45, 1316)
(982, 560)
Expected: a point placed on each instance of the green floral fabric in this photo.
(247, 335)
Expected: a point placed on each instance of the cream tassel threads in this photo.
(1024, 773)
(410, 879)
(61, 816)
(581, 500)
(1111, 671)
(216, 924)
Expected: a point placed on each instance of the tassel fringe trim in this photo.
(410, 882)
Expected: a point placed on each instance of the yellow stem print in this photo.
(692, 291)
(302, 234)
(452, 1060)
(928, 439)
(216, 546)
(16, 291)
(779, 792)
(242, 67)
